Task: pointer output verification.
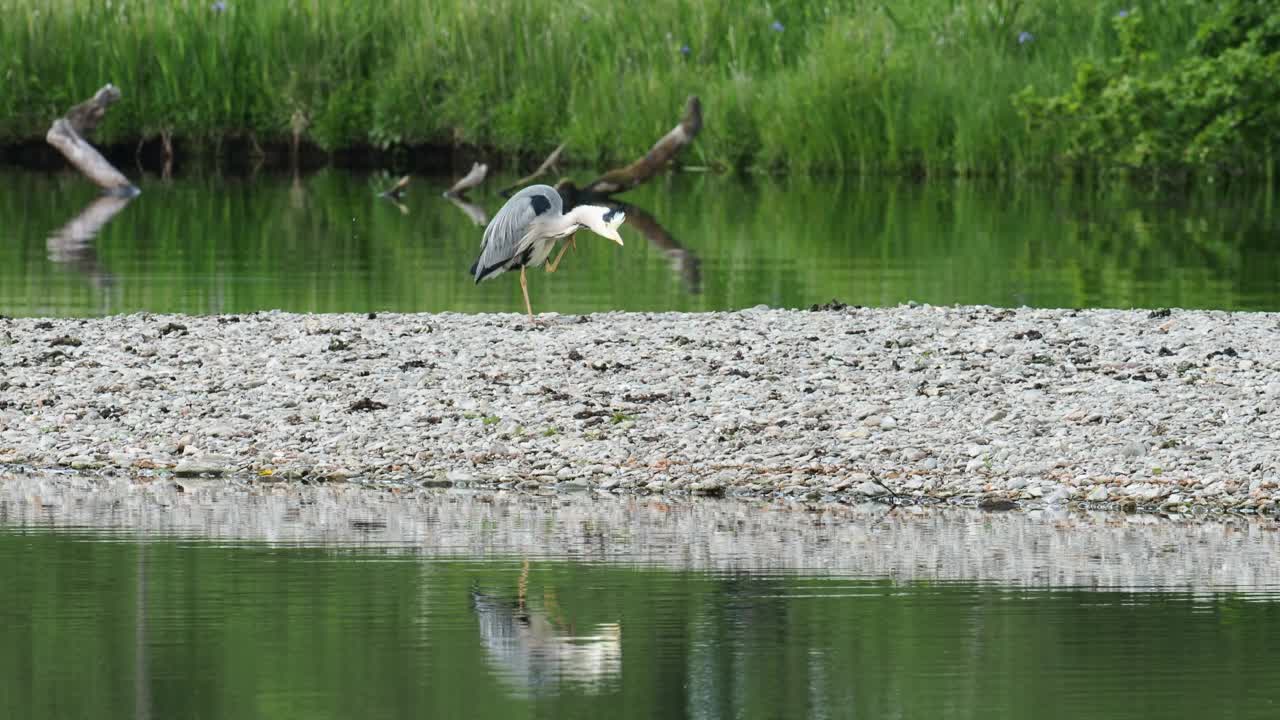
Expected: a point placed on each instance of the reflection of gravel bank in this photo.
(1039, 406)
(1050, 547)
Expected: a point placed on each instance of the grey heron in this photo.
(525, 231)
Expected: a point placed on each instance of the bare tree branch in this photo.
(665, 150)
(468, 181)
(545, 166)
(67, 133)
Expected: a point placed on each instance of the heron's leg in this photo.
(524, 288)
(551, 266)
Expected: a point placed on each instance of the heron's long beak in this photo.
(613, 225)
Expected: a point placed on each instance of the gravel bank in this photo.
(1172, 411)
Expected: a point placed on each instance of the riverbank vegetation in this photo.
(921, 87)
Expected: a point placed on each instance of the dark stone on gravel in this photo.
(834, 305)
(366, 405)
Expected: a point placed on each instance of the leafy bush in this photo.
(1216, 109)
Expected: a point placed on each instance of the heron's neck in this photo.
(579, 217)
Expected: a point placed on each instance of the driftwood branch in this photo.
(471, 179)
(67, 135)
(546, 165)
(662, 153)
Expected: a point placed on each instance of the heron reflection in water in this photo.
(535, 649)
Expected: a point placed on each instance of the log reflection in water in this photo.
(72, 244)
(395, 194)
(473, 211)
(683, 261)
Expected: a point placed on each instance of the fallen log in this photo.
(68, 133)
(662, 153)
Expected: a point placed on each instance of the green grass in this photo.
(915, 86)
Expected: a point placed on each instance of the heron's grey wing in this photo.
(508, 233)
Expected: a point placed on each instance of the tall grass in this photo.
(918, 86)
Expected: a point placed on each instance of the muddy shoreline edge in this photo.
(1171, 411)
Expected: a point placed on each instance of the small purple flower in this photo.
(684, 50)
(1123, 14)
(777, 26)
(219, 6)
(1025, 37)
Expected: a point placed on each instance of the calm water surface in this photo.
(139, 601)
(326, 243)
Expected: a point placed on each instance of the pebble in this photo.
(870, 489)
(200, 466)
(1058, 496)
(707, 487)
(1134, 449)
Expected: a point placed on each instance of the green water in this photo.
(326, 243)
(108, 626)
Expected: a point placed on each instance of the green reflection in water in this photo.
(116, 629)
(326, 243)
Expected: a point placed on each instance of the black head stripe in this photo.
(540, 204)
(615, 212)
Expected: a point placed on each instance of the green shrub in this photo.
(1217, 109)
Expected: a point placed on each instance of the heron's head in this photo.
(603, 221)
